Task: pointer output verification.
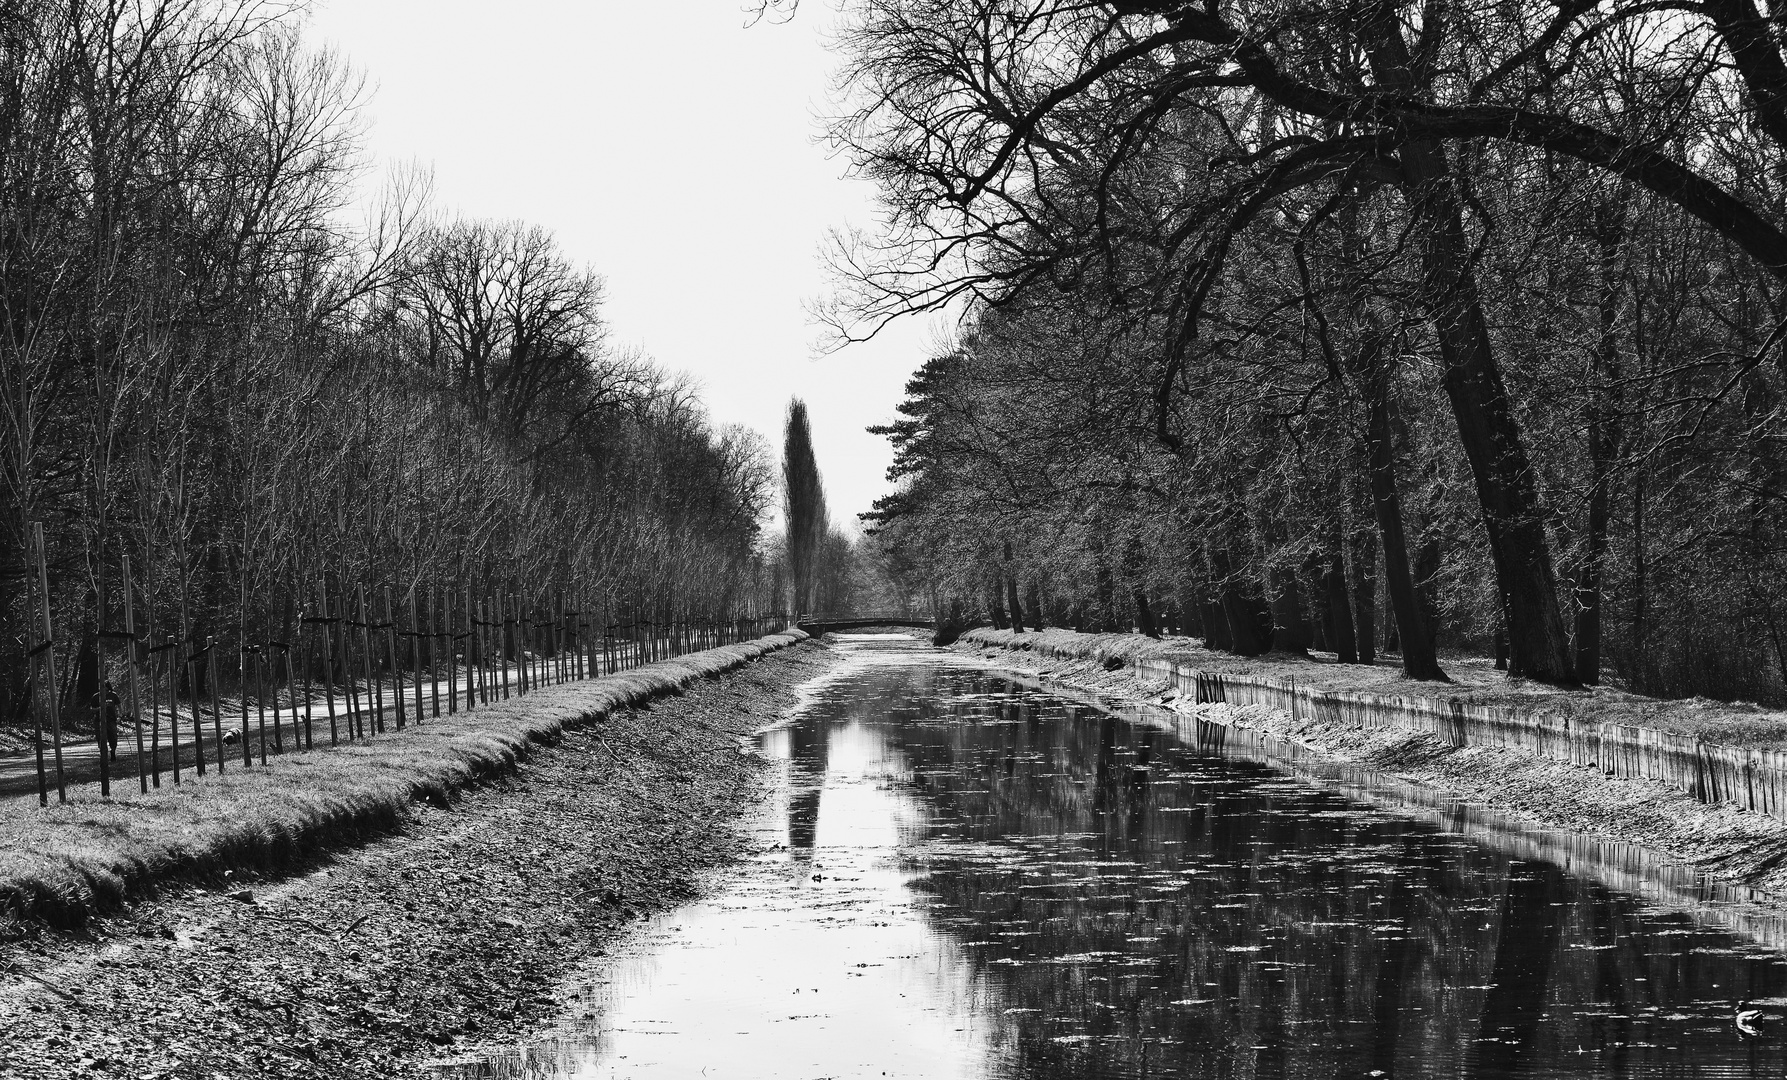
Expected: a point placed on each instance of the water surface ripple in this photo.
(966, 877)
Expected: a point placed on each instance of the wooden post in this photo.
(49, 657)
(328, 625)
(375, 694)
(154, 658)
(453, 666)
(416, 650)
(170, 669)
(577, 666)
(502, 641)
(242, 657)
(434, 653)
(487, 691)
(45, 671)
(100, 728)
(474, 674)
(216, 701)
(523, 665)
(261, 661)
(471, 651)
(291, 699)
(345, 651)
(130, 666)
(480, 630)
(391, 655)
(309, 643)
(189, 666)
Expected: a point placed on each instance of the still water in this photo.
(965, 877)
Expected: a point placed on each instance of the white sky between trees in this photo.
(673, 149)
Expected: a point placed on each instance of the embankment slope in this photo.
(1727, 842)
(62, 864)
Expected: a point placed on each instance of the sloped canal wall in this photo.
(1755, 779)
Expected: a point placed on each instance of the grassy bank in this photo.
(1474, 682)
(65, 863)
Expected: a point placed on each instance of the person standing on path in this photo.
(108, 722)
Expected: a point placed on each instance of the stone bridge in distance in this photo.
(834, 624)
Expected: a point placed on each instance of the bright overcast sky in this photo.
(674, 150)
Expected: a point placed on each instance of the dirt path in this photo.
(417, 947)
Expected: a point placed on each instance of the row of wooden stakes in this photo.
(485, 643)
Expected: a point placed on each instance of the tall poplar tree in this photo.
(804, 502)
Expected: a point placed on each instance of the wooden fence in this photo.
(369, 661)
(1753, 779)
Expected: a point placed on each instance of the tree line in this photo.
(1397, 326)
(215, 363)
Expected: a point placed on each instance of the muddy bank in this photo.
(1726, 841)
(452, 933)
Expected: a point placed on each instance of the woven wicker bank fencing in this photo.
(1753, 779)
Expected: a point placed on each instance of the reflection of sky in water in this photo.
(971, 879)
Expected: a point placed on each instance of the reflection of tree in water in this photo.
(809, 743)
(1166, 914)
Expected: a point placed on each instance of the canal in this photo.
(961, 876)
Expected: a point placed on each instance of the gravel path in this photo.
(418, 947)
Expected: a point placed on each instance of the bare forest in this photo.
(280, 402)
(1395, 330)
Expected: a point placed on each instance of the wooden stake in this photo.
(478, 622)
(434, 654)
(260, 702)
(471, 641)
(291, 698)
(136, 697)
(216, 701)
(242, 657)
(375, 694)
(391, 654)
(502, 641)
(447, 640)
(416, 625)
(189, 668)
(308, 640)
(49, 660)
(329, 625)
(170, 670)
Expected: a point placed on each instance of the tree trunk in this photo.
(1011, 593)
(1365, 591)
(1640, 647)
(1145, 615)
(1290, 630)
(1340, 612)
(1506, 493)
(1372, 367)
(1104, 612)
(1216, 622)
(1602, 440)
(1248, 615)
(1428, 559)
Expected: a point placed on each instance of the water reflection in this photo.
(998, 882)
